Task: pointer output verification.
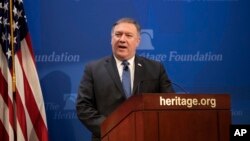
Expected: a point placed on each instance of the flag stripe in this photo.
(28, 44)
(4, 89)
(19, 133)
(21, 115)
(4, 136)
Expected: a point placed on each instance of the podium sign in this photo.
(173, 117)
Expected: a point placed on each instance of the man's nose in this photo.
(123, 38)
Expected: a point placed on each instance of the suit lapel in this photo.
(139, 73)
(113, 73)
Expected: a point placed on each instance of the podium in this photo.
(170, 117)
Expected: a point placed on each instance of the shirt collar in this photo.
(131, 60)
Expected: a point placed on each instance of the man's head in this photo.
(125, 38)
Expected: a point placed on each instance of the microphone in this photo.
(177, 85)
(157, 80)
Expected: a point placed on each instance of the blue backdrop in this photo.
(204, 45)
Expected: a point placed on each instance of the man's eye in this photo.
(118, 34)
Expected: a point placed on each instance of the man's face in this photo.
(125, 40)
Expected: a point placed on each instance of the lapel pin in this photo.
(139, 65)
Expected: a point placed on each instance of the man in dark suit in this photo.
(108, 82)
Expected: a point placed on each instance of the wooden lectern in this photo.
(170, 117)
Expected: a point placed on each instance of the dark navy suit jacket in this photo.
(101, 92)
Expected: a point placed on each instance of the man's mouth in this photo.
(121, 46)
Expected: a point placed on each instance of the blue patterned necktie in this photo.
(126, 82)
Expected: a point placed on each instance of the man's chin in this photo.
(122, 56)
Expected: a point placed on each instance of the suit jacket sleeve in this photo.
(85, 104)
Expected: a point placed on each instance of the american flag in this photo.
(22, 111)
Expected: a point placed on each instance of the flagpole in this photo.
(13, 67)
(12, 49)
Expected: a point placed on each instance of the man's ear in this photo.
(138, 42)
